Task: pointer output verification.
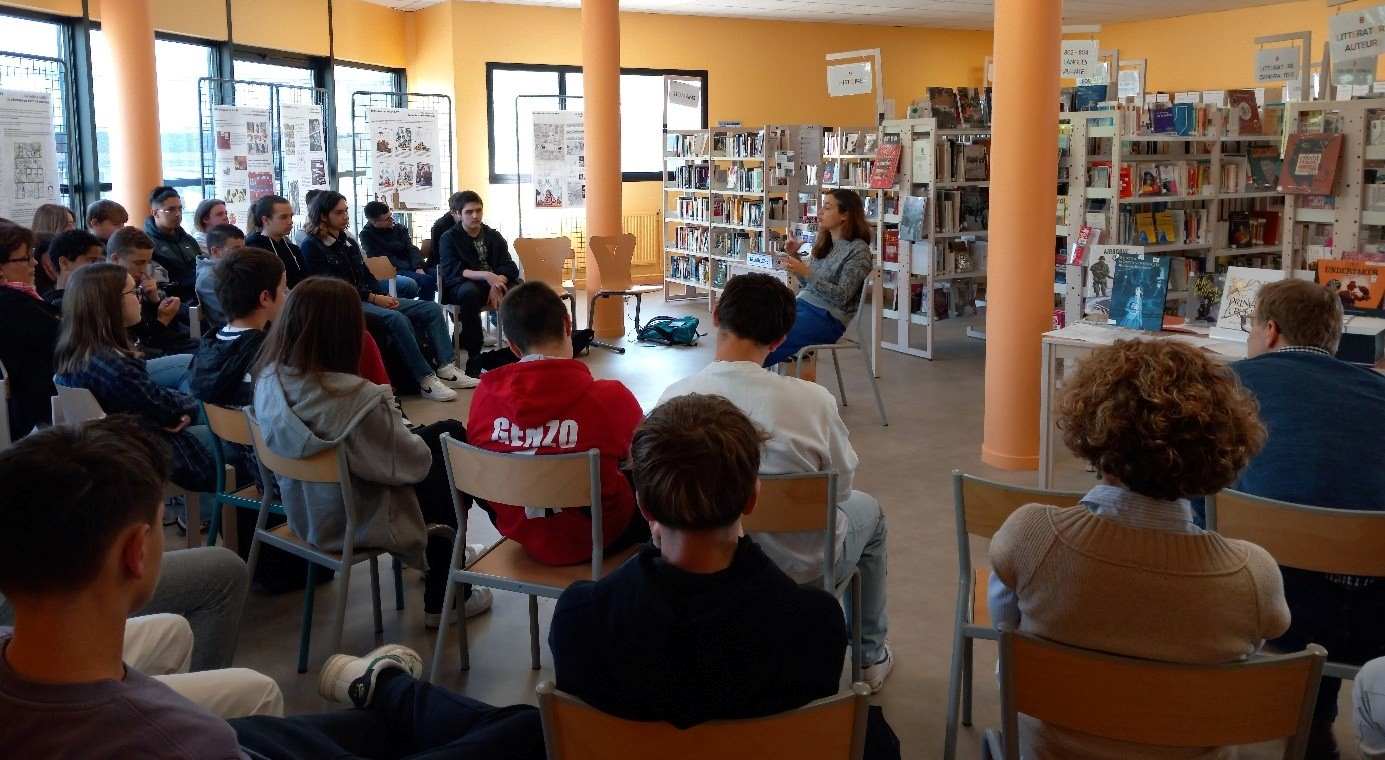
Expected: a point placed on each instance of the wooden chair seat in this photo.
(287, 540)
(505, 565)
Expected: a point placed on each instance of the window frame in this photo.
(563, 70)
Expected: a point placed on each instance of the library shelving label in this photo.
(684, 94)
(1276, 64)
(849, 79)
(1357, 34)
(1080, 59)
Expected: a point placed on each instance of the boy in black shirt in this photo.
(251, 287)
(381, 236)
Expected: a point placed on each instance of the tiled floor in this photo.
(935, 426)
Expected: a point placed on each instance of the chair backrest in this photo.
(1341, 541)
(798, 503)
(228, 424)
(323, 467)
(981, 507)
(381, 268)
(543, 259)
(1158, 703)
(613, 254)
(828, 729)
(75, 406)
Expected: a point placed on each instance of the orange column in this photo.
(136, 161)
(601, 101)
(1024, 181)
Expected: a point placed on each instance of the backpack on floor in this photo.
(670, 331)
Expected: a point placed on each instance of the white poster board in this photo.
(1276, 64)
(404, 158)
(849, 79)
(28, 154)
(560, 169)
(244, 158)
(1079, 59)
(681, 93)
(303, 144)
(1128, 84)
(1357, 34)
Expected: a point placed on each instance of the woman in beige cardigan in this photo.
(1128, 572)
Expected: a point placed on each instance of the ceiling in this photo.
(955, 14)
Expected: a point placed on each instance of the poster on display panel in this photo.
(560, 171)
(404, 158)
(28, 154)
(244, 158)
(304, 148)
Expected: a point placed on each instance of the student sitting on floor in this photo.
(806, 434)
(700, 625)
(158, 330)
(94, 352)
(220, 240)
(308, 398)
(1127, 571)
(548, 403)
(89, 499)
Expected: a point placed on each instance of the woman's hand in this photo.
(384, 302)
(794, 265)
(792, 245)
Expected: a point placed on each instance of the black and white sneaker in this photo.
(351, 680)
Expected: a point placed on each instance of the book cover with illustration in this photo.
(1238, 296)
(1310, 163)
(911, 218)
(1245, 110)
(1139, 287)
(1357, 283)
(942, 101)
(922, 161)
(886, 166)
(1086, 237)
(1265, 164)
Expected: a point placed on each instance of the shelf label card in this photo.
(1080, 59)
(1357, 34)
(1128, 84)
(1276, 64)
(682, 93)
(849, 79)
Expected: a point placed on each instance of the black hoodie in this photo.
(177, 253)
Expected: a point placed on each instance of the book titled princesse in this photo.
(1310, 163)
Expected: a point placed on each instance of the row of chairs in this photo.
(1247, 702)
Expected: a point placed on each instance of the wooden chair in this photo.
(327, 466)
(5, 439)
(229, 426)
(1318, 539)
(544, 260)
(980, 507)
(613, 255)
(381, 268)
(860, 343)
(828, 729)
(786, 505)
(556, 481)
(1163, 704)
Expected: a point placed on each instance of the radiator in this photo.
(645, 228)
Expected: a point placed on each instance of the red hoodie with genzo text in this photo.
(554, 406)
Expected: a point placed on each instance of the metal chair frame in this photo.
(860, 343)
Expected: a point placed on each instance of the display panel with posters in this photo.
(28, 154)
(303, 146)
(404, 158)
(560, 172)
(244, 158)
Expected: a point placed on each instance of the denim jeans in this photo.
(865, 550)
(414, 318)
(426, 283)
(811, 325)
(170, 371)
(404, 287)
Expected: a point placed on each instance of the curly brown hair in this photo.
(1160, 417)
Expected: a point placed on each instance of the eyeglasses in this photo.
(24, 260)
(173, 210)
(131, 292)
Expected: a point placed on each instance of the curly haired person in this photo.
(1127, 571)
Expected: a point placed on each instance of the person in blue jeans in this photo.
(330, 252)
(831, 278)
(381, 236)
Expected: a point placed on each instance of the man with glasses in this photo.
(174, 249)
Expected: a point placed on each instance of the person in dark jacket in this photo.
(67, 253)
(174, 249)
(271, 221)
(28, 333)
(159, 331)
(220, 241)
(1305, 395)
(701, 625)
(381, 236)
(444, 223)
(251, 286)
(476, 271)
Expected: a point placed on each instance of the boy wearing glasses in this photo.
(174, 249)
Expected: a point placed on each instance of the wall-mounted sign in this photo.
(1080, 58)
(1357, 34)
(1276, 64)
(682, 93)
(849, 79)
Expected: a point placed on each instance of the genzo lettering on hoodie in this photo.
(560, 433)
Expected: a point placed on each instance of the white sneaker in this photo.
(433, 389)
(351, 680)
(399, 405)
(454, 377)
(479, 601)
(875, 675)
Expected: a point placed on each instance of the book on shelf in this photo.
(870, 143)
(1239, 293)
(970, 103)
(886, 165)
(1161, 121)
(1139, 288)
(1310, 163)
(1245, 111)
(1086, 237)
(889, 245)
(1184, 118)
(922, 160)
(911, 218)
(976, 161)
(942, 103)
(1088, 97)
(1265, 165)
(1357, 283)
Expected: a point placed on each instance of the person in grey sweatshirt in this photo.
(831, 278)
(308, 399)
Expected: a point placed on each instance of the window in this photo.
(26, 35)
(271, 73)
(348, 79)
(36, 37)
(178, 64)
(641, 119)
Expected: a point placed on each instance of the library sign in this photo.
(849, 79)
(1357, 34)
(1080, 59)
(1276, 64)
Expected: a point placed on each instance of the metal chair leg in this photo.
(954, 686)
(305, 635)
(214, 526)
(533, 632)
(339, 622)
(968, 656)
(375, 594)
(447, 599)
(398, 584)
(837, 367)
(591, 317)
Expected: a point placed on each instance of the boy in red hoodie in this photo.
(548, 403)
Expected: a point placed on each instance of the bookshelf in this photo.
(731, 197)
(939, 165)
(1216, 216)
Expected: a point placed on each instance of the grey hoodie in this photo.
(301, 416)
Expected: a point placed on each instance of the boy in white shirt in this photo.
(806, 434)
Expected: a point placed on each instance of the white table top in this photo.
(1092, 335)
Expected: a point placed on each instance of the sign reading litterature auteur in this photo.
(1080, 59)
(1357, 34)
(849, 79)
(1276, 64)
